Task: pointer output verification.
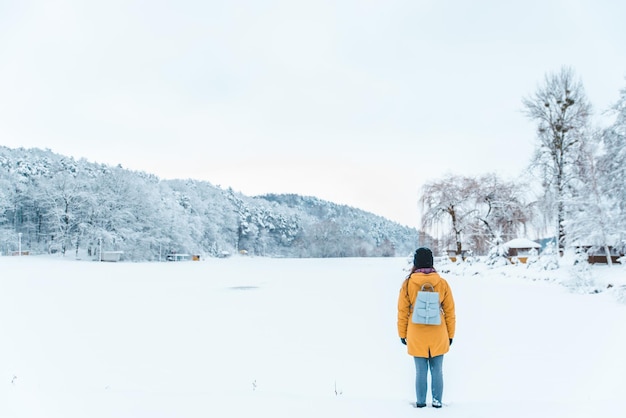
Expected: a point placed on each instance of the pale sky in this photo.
(356, 102)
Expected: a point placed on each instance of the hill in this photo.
(50, 203)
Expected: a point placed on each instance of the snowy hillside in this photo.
(61, 205)
(260, 337)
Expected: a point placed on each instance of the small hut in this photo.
(522, 248)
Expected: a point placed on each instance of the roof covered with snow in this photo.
(521, 243)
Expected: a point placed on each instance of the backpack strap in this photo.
(406, 282)
(426, 287)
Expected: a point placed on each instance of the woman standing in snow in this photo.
(426, 340)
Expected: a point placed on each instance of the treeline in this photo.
(51, 203)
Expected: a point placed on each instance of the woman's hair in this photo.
(416, 269)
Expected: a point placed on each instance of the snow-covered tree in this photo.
(612, 163)
(561, 111)
(590, 218)
(475, 209)
(66, 201)
(450, 200)
(498, 253)
(503, 211)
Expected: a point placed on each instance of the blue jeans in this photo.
(421, 375)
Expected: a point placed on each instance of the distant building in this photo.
(597, 254)
(522, 248)
(178, 257)
(111, 256)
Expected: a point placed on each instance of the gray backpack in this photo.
(427, 309)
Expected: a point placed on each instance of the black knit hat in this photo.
(423, 258)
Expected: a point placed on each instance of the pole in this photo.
(19, 244)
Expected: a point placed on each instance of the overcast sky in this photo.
(358, 102)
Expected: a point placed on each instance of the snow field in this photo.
(256, 337)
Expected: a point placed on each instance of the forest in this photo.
(54, 204)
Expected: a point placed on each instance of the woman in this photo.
(427, 343)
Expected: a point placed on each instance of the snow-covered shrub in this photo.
(497, 256)
(549, 259)
(620, 293)
(582, 282)
(469, 257)
(533, 257)
(442, 264)
(581, 260)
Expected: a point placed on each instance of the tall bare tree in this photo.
(504, 212)
(449, 199)
(561, 111)
(476, 210)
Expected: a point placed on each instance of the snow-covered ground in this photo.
(257, 337)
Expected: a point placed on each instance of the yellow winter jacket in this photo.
(426, 340)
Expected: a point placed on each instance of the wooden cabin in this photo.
(597, 254)
(522, 248)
